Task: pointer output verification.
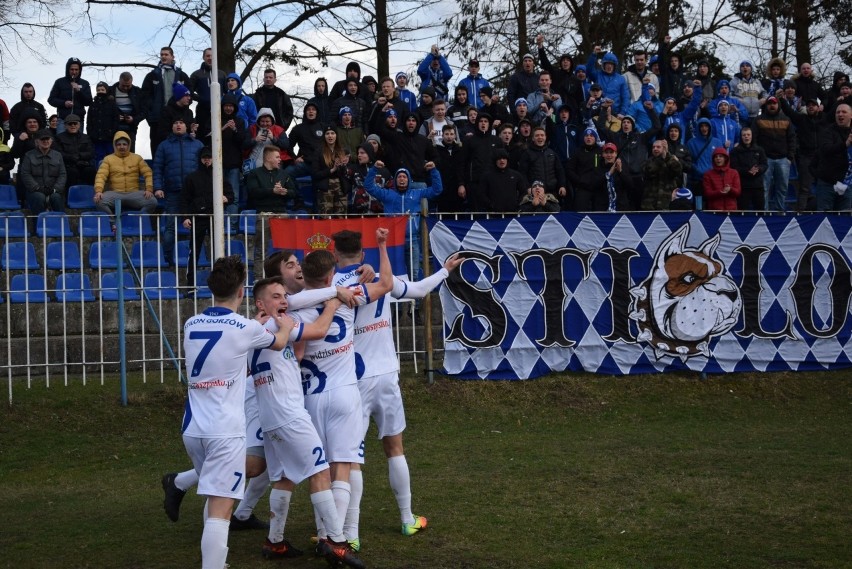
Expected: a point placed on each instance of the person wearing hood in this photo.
(357, 106)
(118, 179)
(307, 137)
(538, 201)
(41, 175)
(157, 91)
(77, 152)
(360, 202)
(663, 173)
(773, 83)
(614, 86)
(175, 159)
(837, 82)
(749, 160)
(725, 128)
(477, 161)
(586, 172)
(16, 113)
(638, 75)
(427, 99)
(774, 131)
(270, 96)
(491, 105)
(563, 134)
(246, 109)
(844, 97)
(672, 73)
(131, 107)
(565, 83)
(199, 85)
(103, 121)
(321, 100)
(674, 139)
(406, 147)
(701, 147)
(234, 140)
(70, 94)
(638, 110)
(503, 187)
(721, 184)
(457, 112)
(405, 94)
(748, 89)
(474, 83)
(738, 111)
(708, 85)
(369, 90)
(524, 80)
(435, 72)
(353, 71)
(177, 108)
(584, 82)
(196, 207)
(401, 198)
(262, 134)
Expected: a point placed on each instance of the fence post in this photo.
(427, 302)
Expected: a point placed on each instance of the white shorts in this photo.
(254, 436)
(294, 451)
(220, 464)
(339, 421)
(382, 400)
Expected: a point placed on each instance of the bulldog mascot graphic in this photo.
(686, 299)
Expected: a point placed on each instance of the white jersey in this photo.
(374, 342)
(277, 380)
(215, 344)
(329, 362)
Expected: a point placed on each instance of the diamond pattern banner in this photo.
(645, 293)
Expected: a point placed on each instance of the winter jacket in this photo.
(76, 149)
(478, 157)
(749, 91)
(62, 92)
(725, 129)
(738, 110)
(701, 148)
(121, 170)
(261, 197)
(551, 204)
(774, 132)
(774, 87)
(16, 114)
(671, 80)
(246, 109)
(359, 108)
(636, 82)
(743, 159)
(474, 84)
(807, 126)
(407, 149)
(522, 84)
(323, 104)
(175, 159)
(405, 202)
(662, 176)
(437, 79)
(153, 93)
(276, 99)
(718, 178)
(564, 138)
(832, 158)
(632, 146)
(103, 119)
(138, 108)
(503, 189)
(614, 85)
(43, 173)
(196, 196)
(199, 84)
(171, 112)
(564, 82)
(308, 137)
(541, 163)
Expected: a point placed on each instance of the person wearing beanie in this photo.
(120, 172)
(71, 94)
(427, 99)
(157, 90)
(662, 173)
(503, 188)
(792, 103)
(474, 83)
(348, 135)
(177, 108)
(737, 111)
(524, 80)
(351, 98)
(520, 110)
(614, 85)
(435, 72)
(405, 94)
(102, 122)
(746, 87)
(749, 160)
(360, 202)
(538, 201)
(234, 139)
(682, 200)
(492, 105)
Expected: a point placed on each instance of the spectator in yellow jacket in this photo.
(118, 179)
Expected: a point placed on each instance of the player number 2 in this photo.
(320, 460)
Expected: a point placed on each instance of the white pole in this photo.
(217, 240)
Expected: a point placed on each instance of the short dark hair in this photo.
(125, 76)
(543, 72)
(269, 70)
(168, 48)
(317, 266)
(272, 264)
(506, 125)
(263, 283)
(347, 242)
(226, 277)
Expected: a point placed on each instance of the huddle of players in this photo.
(315, 389)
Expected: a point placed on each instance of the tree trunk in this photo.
(523, 40)
(802, 25)
(225, 12)
(382, 39)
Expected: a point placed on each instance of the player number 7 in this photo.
(212, 338)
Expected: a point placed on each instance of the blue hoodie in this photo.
(404, 202)
(613, 84)
(740, 114)
(702, 147)
(246, 109)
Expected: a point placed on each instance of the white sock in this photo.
(325, 511)
(204, 512)
(353, 512)
(279, 506)
(254, 491)
(214, 543)
(400, 483)
(341, 491)
(186, 480)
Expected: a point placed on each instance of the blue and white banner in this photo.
(644, 293)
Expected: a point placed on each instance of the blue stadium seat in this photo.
(202, 291)
(28, 288)
(109, 287)
(19, 255)
(8, 197)
(136, 225)
(63, 256)
(102, 255)
(247, 223)
(148, 254)
(81, 197)
(74, 287)
(162, 285)
(53, 224)
(13, 224)
(95, 224)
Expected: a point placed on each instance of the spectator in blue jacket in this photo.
(614, 85)
(701, 147)
(435, 72)
(399, 198)
(474, 83)
(175, 159)
(737, 112)
(246, 108)
(405, 95)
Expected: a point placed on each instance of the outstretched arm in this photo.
(419, 289)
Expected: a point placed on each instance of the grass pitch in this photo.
(741, 471)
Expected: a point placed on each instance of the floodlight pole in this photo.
(217, 239)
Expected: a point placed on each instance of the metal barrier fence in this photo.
(59, 297)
